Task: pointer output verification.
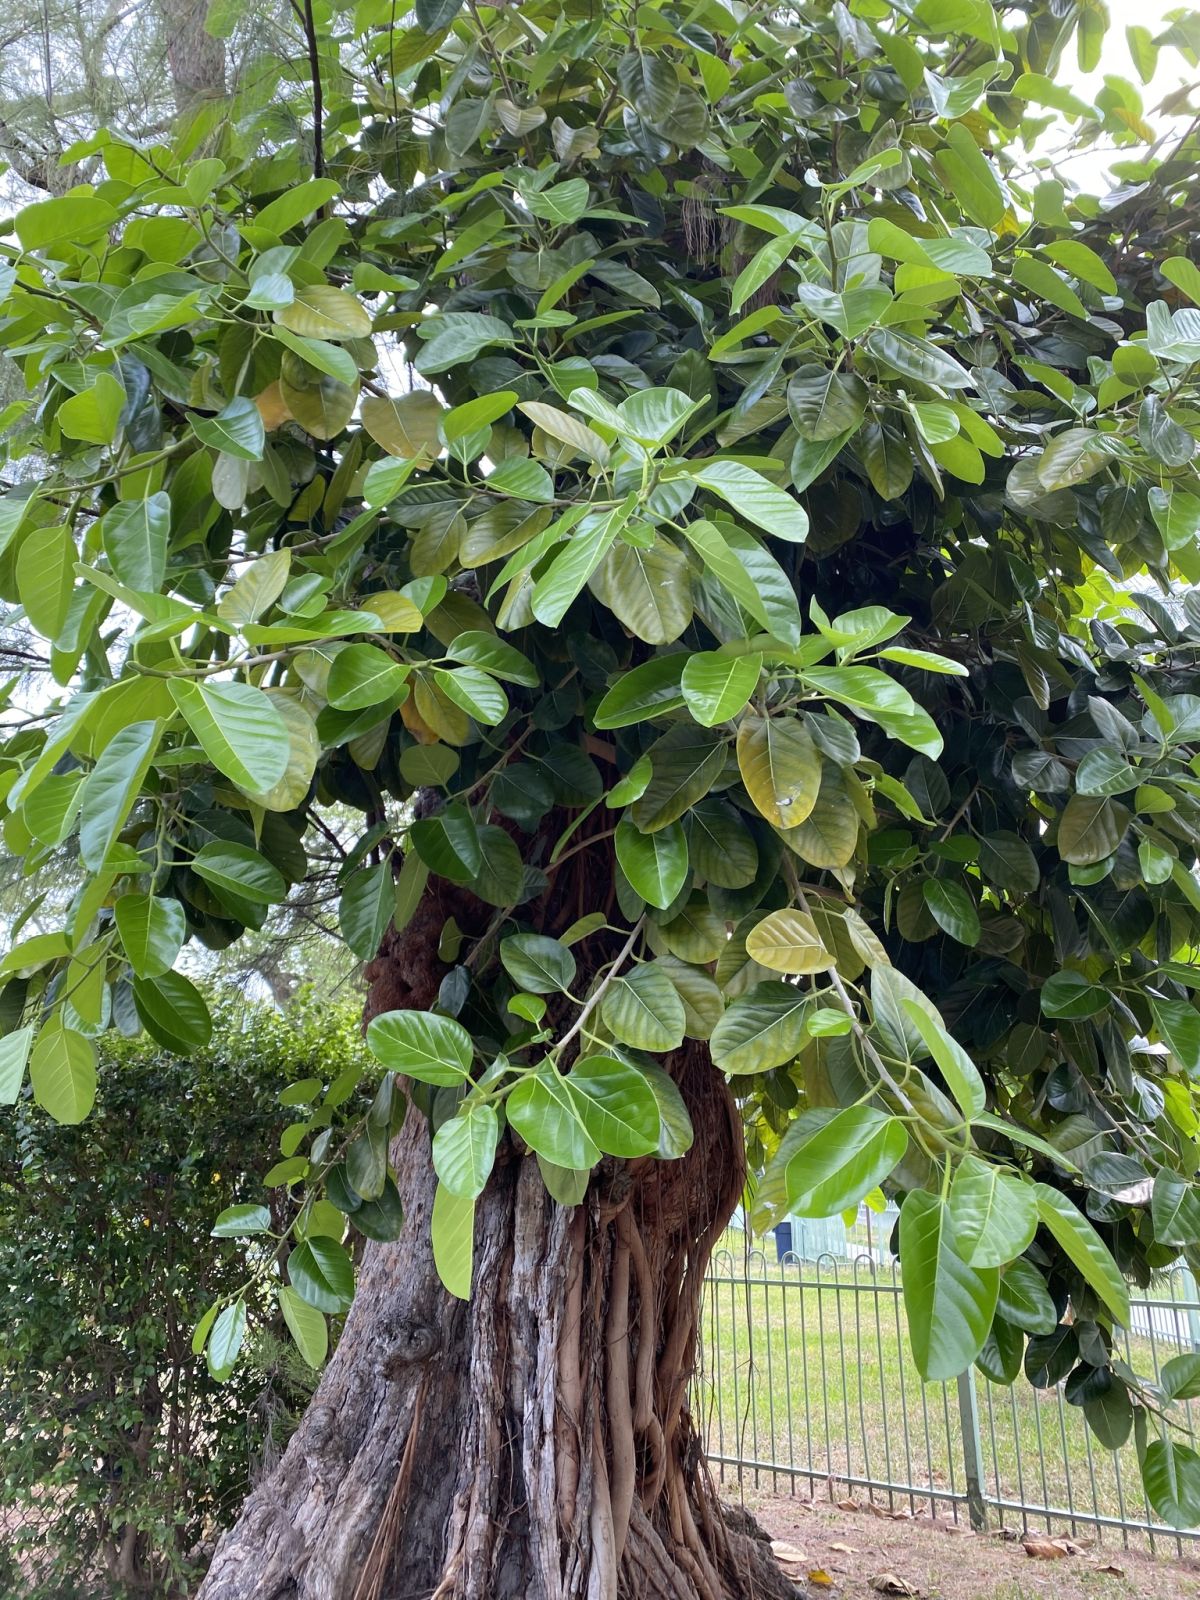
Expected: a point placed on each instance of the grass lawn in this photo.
(808, 1368)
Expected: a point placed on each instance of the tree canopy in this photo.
(715, 500)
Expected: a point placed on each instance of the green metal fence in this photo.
(808, 1386)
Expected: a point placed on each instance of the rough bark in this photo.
(535, 1443)
(195, 60)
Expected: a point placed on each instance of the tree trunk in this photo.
(535, 1443)
(195, 60)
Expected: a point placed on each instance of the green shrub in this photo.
(119, 1453)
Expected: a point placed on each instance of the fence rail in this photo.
(808, 1381)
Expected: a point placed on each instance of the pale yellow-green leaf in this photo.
(780, 767)
(788, 941)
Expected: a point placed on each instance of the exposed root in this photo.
(602, 1574)
(620, 1405)
(568, 1418)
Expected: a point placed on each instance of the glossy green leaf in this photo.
(950, 1305)
(1077, 1237)
(656, 864)
(421, 1045)
(62, 1073)
(152, 932)
(464, 1149)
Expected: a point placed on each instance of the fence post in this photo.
(968, 1412)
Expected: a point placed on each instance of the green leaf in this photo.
(687, 762)
(135, 535)
(449, 844)
(765, 262)
(780, 768)
(236, 431)
(763, 1028)
(478, 694)
(1043, 91)
(971, 177)
(258, 588)
(62, 1073)
(452, 1231)
(14, 1053)
(1069, 994)
(656, 864)
(239, 729)
(540, 965)
(365, 909)
(173, 1011)
(45, 573)
(306, 1325)
(225, 1340)
(649, 83)
(616, 1105)
(237, 872)
(1183, 273)
(494, 656)
(240, 1222)
(543, 1111)
(995, 1214)
(755, 498)
(1179, 1378)
(642, 1008)
(1178, 1024)
(112, 787)
(71, 219)
(464, 1149)
(952, 909)
(1076, 1236)
(1024, 1298)
(1174, 1209)
(289, 209)
(422, 1045)
(571, 568)
(322, 1274)
(93, 415)
(650, 690)
(950, 1305)
(1171, 1476)
(828, 835)
(716, 687)
(648, 589)
(831, 1159)
(1090, 829)
(956, 1066)
(457, 336)
(152, 931)
(320, 311)
(917, 358)
(788, 941)
(363, 675)
(825, 404)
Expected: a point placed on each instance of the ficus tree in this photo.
(710, 499)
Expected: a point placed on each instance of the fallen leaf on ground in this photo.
(849, 1505)
(1047, 1549)
(889, 1583)
(846, 1549)
(821, 1578)
(789, 1556)
(1111, 1566)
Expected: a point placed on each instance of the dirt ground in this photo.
(834, 1552)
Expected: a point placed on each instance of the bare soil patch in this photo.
(833, 1553)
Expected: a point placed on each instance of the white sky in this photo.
(1088, 169)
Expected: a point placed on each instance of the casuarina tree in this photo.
(715, 504)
